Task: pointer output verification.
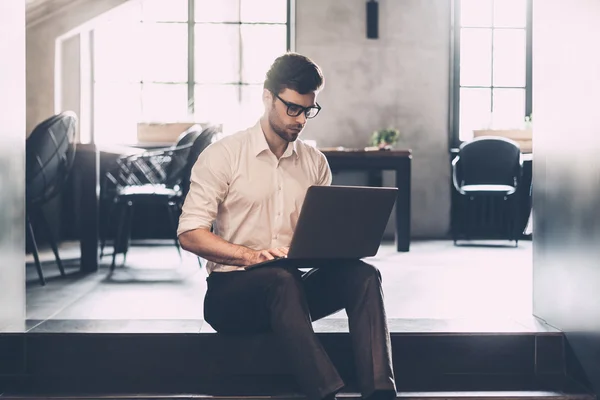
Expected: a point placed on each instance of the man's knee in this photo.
(367, 271)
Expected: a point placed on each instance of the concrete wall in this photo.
(566, 231)
(12, 165)
(41, 38)
(401, 79)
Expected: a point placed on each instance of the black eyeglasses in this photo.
(294, 110)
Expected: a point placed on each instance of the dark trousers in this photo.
(285, 301)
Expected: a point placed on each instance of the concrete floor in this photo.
(485, 286)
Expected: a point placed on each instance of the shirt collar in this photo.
(259, 142)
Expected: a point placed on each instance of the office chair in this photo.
(50, 151)
(486, 175)
(159, 177)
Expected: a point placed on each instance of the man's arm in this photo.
(207, 245)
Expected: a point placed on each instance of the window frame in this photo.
(191, 50)
(455, 86)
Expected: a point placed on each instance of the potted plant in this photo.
(384, 139)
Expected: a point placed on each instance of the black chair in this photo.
(50, 151)
(486, 175)
(158, 177)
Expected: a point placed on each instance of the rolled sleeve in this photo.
(325, 176)
(209, 183)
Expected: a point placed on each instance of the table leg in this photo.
(403, 205)
(89, 207)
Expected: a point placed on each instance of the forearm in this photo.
(211, 247)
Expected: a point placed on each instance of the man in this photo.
(250, 187)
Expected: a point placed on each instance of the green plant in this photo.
(385, 137)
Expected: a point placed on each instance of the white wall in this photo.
(41, 38)
(401, 79)
(12, 165)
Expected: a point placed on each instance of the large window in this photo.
(184, 60)
(491, 66)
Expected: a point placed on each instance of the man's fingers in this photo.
(277, 252)
(284, 250)
(267, 255)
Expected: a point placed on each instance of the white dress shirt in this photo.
(252, 197)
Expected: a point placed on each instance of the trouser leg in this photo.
(356, 286)
(273, 299)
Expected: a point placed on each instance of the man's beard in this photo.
(282, 131)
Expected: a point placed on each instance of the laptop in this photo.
(338, 223)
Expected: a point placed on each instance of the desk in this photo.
(394, 160)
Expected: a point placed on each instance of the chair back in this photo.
(49, 154)
(179, 155)
(208, 136)
(488, 160)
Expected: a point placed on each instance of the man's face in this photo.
(281, 109)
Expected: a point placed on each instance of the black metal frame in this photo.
(191, 78)
(454, 109)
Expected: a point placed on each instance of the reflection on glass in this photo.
(167, 11)
(217, 103)
(476, 13)
(217, 11)
(217, 54)
(475, 57)
(164, 102)
(261, 45)
(117, 40)
(165, 52)
(475, 111)
(509, 108)
(510, 13)
(272, 11)
(509, 57)
(116, 112)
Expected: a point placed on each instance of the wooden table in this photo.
(378, 161)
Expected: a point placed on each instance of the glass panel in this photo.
(510, 13)
(164, 102)
(509, 108)
(274, 11)
(476, 13)
(475, 111)
(217, 104)
(162, 10)
(217, 54)
(217, 11)
(476, 57)
(509, 57)
(252, 106)
(116, 112)
(117, 40)
(165, 52)
(261, 45)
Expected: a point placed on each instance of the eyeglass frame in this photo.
(303, 110)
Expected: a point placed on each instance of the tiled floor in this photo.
(434, 287)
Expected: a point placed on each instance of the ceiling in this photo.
(39, 9)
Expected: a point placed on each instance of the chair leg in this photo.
(172, 216)
(52, 242)
(36, 257)
(119, 233)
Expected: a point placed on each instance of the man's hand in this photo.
(258, 256)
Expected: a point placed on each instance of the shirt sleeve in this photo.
(325, 176)
(209, 184)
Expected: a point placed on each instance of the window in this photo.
(184, 60)
(491, 77)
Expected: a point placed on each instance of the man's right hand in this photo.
(258, 256)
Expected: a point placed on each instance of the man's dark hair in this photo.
(296, 72)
